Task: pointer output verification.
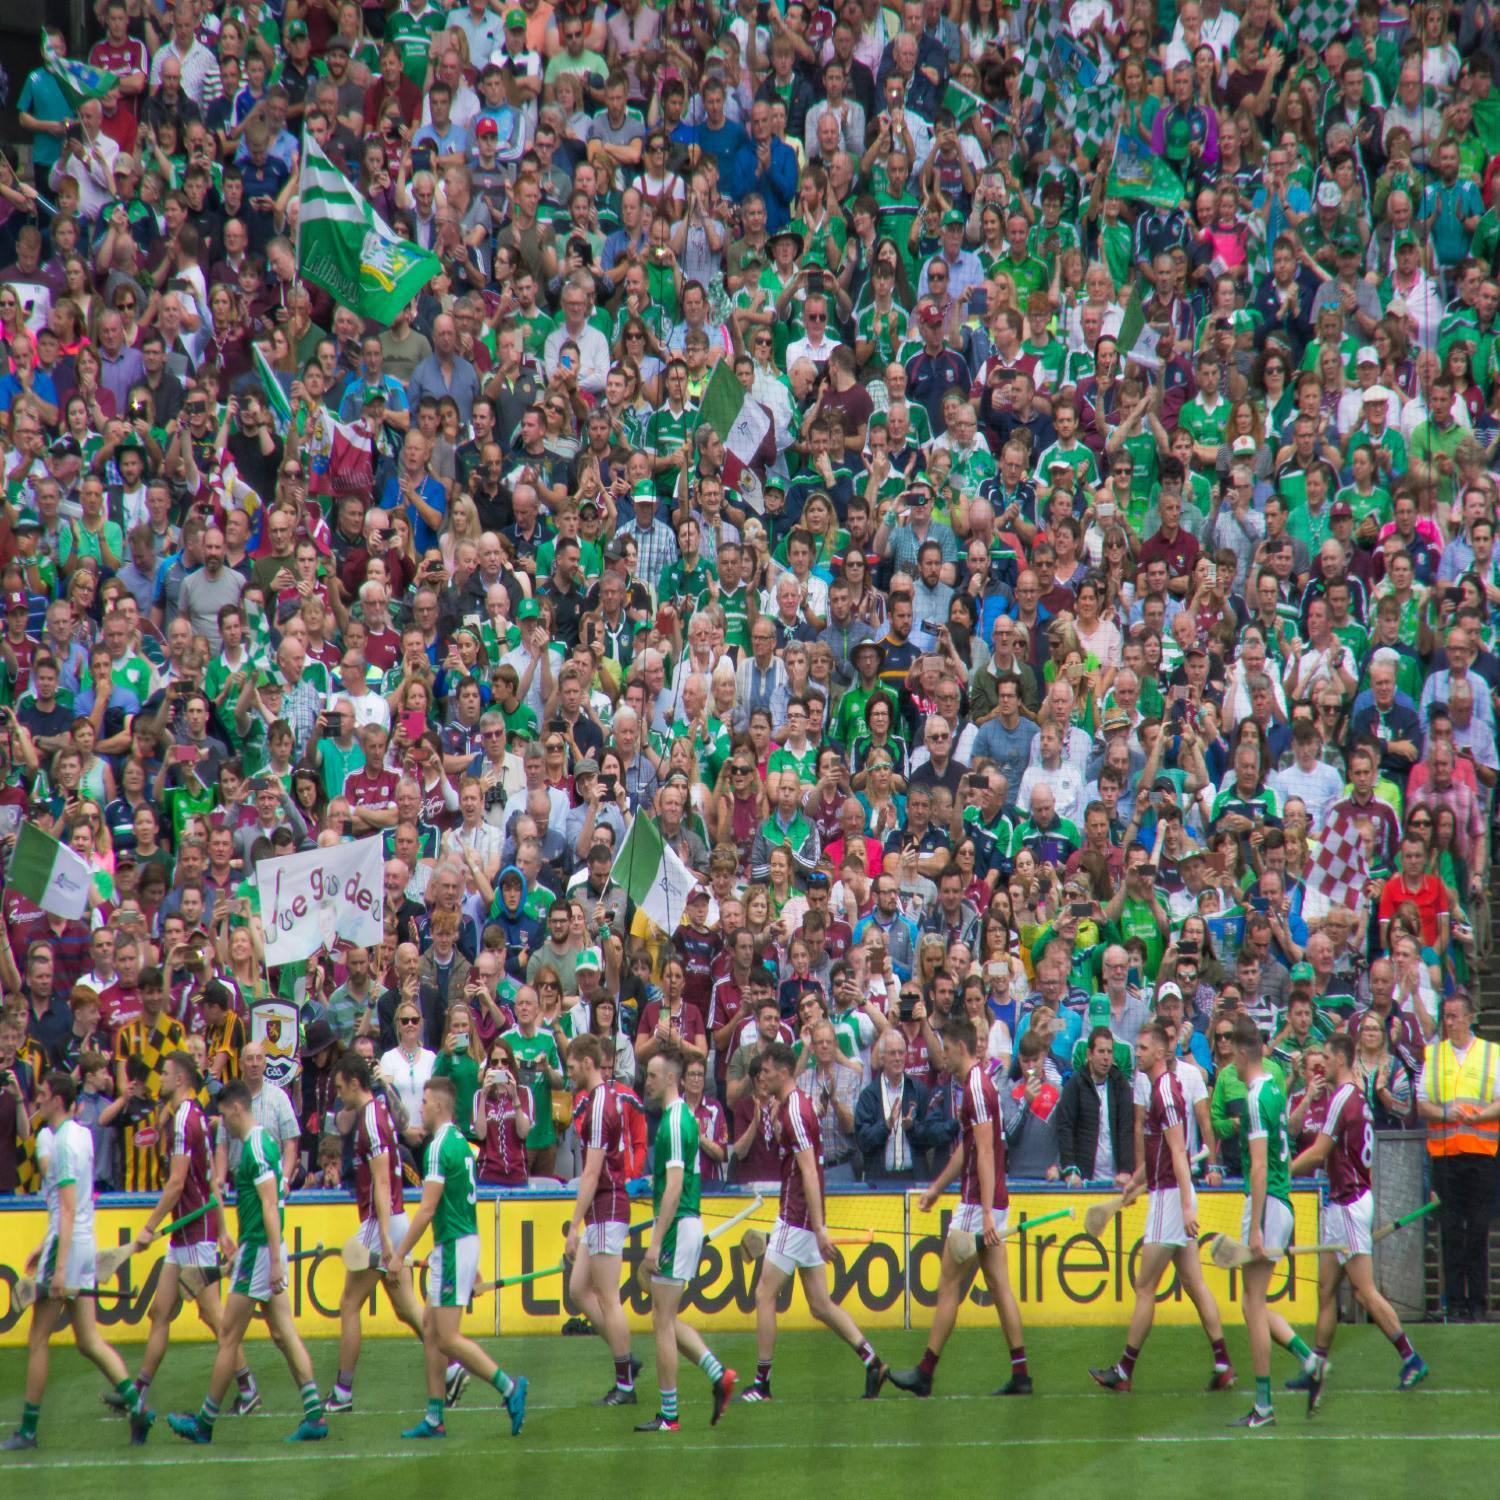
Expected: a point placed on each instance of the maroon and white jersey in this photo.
(713, 1125)
(979, 1113)
(382, 648)
(190, 1139)
(604, 1130)
(798, 1122)
(724, 1000)
(1348, 1123)
(502, 1152)
(374, 1135)
(1165, 1110)
(372, 788)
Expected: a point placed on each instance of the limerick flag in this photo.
(652, 875)
(349, 250)
(315, 900)
(49, 874)
(1136, 173)
(739, 419)
(1137, 340)
(276, 397)
(79, 80)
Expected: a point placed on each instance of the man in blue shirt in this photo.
(766, 166)
(425, 500)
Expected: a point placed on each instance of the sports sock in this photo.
(434, 1416)
(1221, 1353)
(502, 1383)
(208, 1413)
(1403, 1346)
(710, 1365)
(762, 1372)
(929, 1362)
(143, 1383)
(1321, 1350)
(131, 1394)
(669, 1405)
(1018, 1360)
(1128, 1359)
(31, 1414)
(1262, 1393)
(866, 1351)
(312, 1402)
(624, 1379)
(245, 1380)
(344, 1385)
(1299, 1350)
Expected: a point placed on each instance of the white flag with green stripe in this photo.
(346, 248)
(49, 874)
(654, 878)
(276, 397)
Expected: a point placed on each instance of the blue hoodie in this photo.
(523, 933)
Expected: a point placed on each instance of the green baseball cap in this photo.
(295, 28)
(528, 609)
(589, 959)
(953, 216)
(1302, 973)
(1405, 238)
(515, 20)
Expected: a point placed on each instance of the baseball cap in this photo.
(373, 393)
(615, 550)
(698, 893)
(589, 959)
(1329, 195)
(26, 523)
(1405, 238)
(295, 28)
(1341, 510)
(1164, 784)
(953, 216)
(1367, 355)
(15, 601)
(1243, 444)
(486, 125)
(1193, 650)
(1302, 973)
(644, 493)
(1377, 393)
(515, 20)
(1168, 989)
(930, 316)
(528, 609)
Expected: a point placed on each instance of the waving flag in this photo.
(346, 248)
(276, 397)
(49, 874)
(654, 878)
(1337, 870)
(739, 419)
(79, 80)
(1136, 173)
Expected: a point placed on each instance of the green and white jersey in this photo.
(1265, 1119)
(66, 1156)
(537, 1053)
(260, 1161)
(676, 1145)
(412, 31)
(451, 1163)
(736, 606)
(891, 334)
(666, 432)
(803, 766)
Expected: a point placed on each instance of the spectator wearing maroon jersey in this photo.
(756, 1150)
(671, 1019)
(713, 1124)
(698, 946)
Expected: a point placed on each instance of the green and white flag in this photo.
(652, 875)
(49, 874)
(276, 397)
(1042, 32)
(346, 248)
(739, 419)
(1136, 339)
(1135, 172)
(79, 80)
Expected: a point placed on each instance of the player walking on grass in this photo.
(382, 1224)
(1266, 1227)
(258, 1277)
(195, 1248)
(601, 1213)
(800, 1241)
(979, 1160)
(1346, 1146)
(1171, 1236)
(448, 1197)
(64, 1264)
(676, 1243)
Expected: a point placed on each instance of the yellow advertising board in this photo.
(1063, 1276)
(314, 1233)
(868, 1279)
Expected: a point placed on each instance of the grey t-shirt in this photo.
(202, 597)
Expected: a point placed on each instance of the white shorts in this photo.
(1275, 1229)
(1349, 1224)
(369, 1231)
(251, 1274)
(606, 1237)
(682, 1249)
(793, 1249)
(452, 1270)
(78, 1274)
(968, 1218)
(1164, 1224)
(203, 1256)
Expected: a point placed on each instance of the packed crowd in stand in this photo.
(1045, 604)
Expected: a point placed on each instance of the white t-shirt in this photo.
(1193, 1089)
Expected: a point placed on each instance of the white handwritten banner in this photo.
(312, 901)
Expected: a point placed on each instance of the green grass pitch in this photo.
(1070, 1440)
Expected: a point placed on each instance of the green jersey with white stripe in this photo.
(260, 1159)
(1265, 1119)
(450, 1162)
(676, 1145)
